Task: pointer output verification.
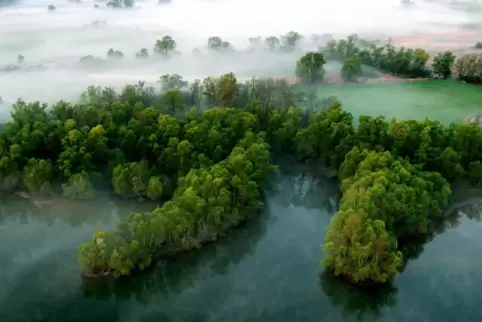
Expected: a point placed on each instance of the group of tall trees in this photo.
(203, 151)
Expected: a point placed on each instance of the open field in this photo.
(447, 101)
(459, 41)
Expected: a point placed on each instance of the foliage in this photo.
(37, 176)
(20, 59)
(272, 43)
(218, 44)
(143, 53)
(351, 69)
(120, 3)
(384, 198)
(291, 40)
(309, 68)
(79, 187)
(442, 64)
(165, 46)
(469, 68)
(114, 54)
(406, 62)
(205, 149)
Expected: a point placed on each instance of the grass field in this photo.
(446, 101)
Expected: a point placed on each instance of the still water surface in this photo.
(266, 271)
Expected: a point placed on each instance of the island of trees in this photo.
(204, 150)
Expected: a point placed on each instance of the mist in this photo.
(55, 41)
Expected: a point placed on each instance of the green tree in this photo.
(351, 69)
(37, 176)
(172, 101)
(79, 187)
(165, 46)
(143, 53)
(442, 64)
(309, 68)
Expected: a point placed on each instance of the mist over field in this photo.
(53, 42)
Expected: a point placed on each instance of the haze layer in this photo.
(53, 42)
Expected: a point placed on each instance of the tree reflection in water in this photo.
(367, 304)
(180, 272)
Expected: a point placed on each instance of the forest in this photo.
(203, 151)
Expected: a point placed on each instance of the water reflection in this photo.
(307, 187)
(74, 213)
(368, 305)
(357, 302)
(186, 270)
(266, 271)
(465, 203)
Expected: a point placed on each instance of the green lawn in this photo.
(447, 101)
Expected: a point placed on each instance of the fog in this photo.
(57, 40)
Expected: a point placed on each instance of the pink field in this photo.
(455, 40)
(458, 41)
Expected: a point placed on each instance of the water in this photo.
(267, 270)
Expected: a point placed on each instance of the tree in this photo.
(37, 176)
(442, 64)
(272, 43)
(20, 59)
(114, 54)
(143, 53)
(51, 8)
(351, 69)
(309, 68)
(154, 188)
(120, 3)
(172, 100)
(218, 44)
(78, 187)
(165, 46)
(227, 89)
(291, 40)
(468, 68)
(361, 249)
(171, 82)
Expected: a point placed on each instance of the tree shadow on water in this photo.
(355, 301)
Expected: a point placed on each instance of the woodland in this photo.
(204, 151)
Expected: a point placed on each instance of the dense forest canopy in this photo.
(204, 151)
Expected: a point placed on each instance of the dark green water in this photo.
(266, 271)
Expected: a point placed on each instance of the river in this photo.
(267, 270)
